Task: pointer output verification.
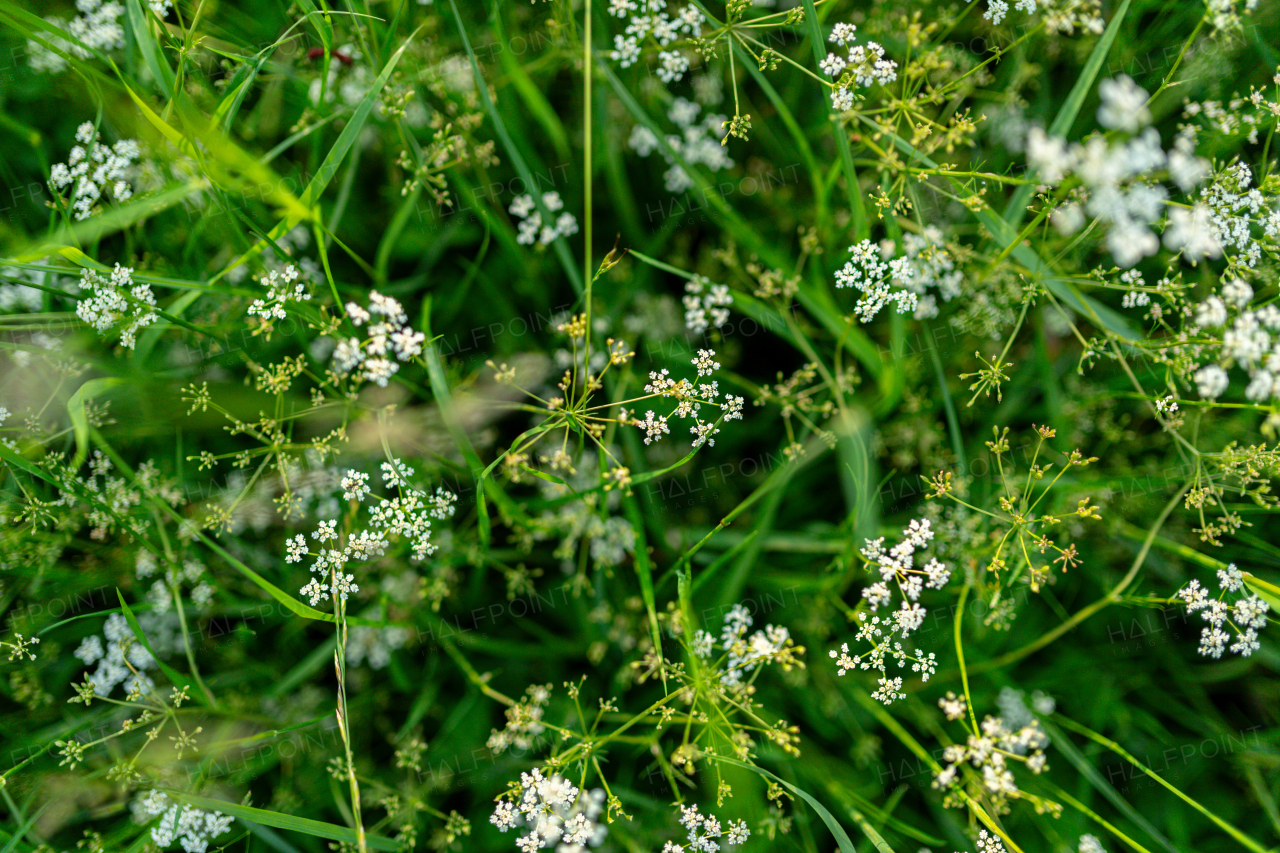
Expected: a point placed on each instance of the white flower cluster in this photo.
(697, 142)
(896, 565)
(649, 20)
(531, 227)
(690, 399)
(1225, 14)
(1246, 341)
(705, 305)
(111, 657)
(705, 832)
(744, 654)
(115, 301)
(1246, 616)
(863, 66)
(988, 843)
(1120, 179)
(389, 335)
(991, 752)
(872, 277)
(279, 293)
(162, 591)
(1060, 16)
(930, 265)
(191, 827)
(407, 516)
(97, 27)
(1231, 207)
(94, 171)
(555, 811)
(1090, 844)
(524, 721)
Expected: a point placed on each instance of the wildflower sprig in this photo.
(982, 765)
(574, 411)
(1245, 616)
(1022, 520)
(896, 566)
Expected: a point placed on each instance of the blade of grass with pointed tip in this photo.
(842, 837)
(151, 53)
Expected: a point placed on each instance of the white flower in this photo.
(1124, 105)
(1211, 381)
(832, 65)
(1192, 233)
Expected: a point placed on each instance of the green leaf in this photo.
(80, 420)
(314, 828)
(151, 52)
(842, 837)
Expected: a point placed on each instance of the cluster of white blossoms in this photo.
(1120, 180)
(705, 305)
(97, 27)
(281, 290)
(93, 171)
(650, 21)
(1060, 16)
(928, 265)
(1231, 208)
(1090, 844)
(744, 654)
(1246, 616)
(705, 832)
(1225, 14)
(863, 65)
(116, 301)
(524, 721)
(896, 566)
(161, 594)
(690, 398)
(555, 811)
(189, 826)
(992, 751)
(697, 142)
(407, 516)
(532, 229)
(873, 277)
(389, 335)
(1246, 341)
(988, 843)
(114, 658)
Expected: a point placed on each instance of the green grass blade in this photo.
(151, 52)
(276, 820)
(837, 831)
